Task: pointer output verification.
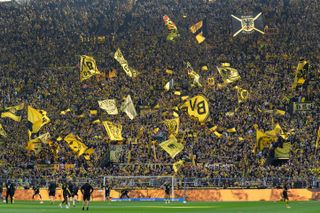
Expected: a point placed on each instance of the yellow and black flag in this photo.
(172, 125)
(35, 145)
(243, 94)
(10, 112)
(199, 29)
(228, 73)
(75, 144)
(114, 130)
(318, 138)
(131, 72)
(11, 116)
(197, 107)
(301, 73)
(3, 132)
(283, 152)
(37, 119)
(177, 165)
(171, 146)
(264, 139)
(88, 67)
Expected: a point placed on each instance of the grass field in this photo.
(154, 207)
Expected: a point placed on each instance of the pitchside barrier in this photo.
(151, 188)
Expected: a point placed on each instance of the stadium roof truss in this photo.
(247, 24)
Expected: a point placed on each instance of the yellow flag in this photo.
(216, 133)
(64, 112)
(283, 152)
(232, 130)
(177, 165)
(124, 64)
(34, 145)
(172, 125)
(169, 71)
(93, 112)
(264, 139)
(280, 112)
(37, 118)
(318, 138)
(228, 74)
(11, 115)
(88, 67)
(96, 121)
(200, 38)
(210, 81)
(87, 154)
(243, 94)
(204, 68)
(44, 138)
(194, 28)
(3, 132)
(171, 146)
(301, 72)
(197, 107)
(214, 128)
(198, 29)
(75, 144)
(193, 75)
(114, 131)
(13, 109)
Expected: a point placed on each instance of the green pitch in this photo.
(156, 207)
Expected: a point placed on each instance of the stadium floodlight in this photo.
(247, 24)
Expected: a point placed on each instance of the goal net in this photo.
(142, 188)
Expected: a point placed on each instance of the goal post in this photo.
(143, 188)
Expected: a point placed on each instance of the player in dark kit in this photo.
(10, 191)
(107, 190)
(167, 191)
(74, 193)
(86, 191)
(66, 195)
(124, 193)
(36, 190)
(285, 196)
(52, 190)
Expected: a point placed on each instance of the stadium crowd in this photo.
(41, 44)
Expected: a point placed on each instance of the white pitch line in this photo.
(166, 207)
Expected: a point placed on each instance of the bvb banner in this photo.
(197, 107)
(124, 64)
(114, 131)
(88, 67)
